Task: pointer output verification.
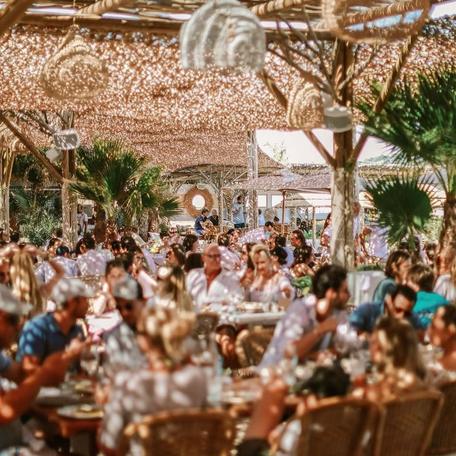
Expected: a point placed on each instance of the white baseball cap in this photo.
(10, 304)
(128, 289)
(67, 289)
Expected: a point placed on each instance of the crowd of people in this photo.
(148, 357)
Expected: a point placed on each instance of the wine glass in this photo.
(90, 361)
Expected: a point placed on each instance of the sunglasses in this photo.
(125, 307)
(13, 319)
(404, 312)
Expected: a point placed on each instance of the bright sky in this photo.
(300, 150)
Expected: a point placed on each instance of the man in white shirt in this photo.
(92, 262)
(83, 220)
(229, 259)
(45, 271)
(238, 213)
(310, 323)
(212, 284)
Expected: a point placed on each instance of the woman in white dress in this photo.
(268, 285)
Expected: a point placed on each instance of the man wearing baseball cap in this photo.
(54, 331)
(122, 350)
(15, 402)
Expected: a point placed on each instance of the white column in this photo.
(252, 173)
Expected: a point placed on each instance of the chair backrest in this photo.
(251, 345)
(206, 322)
(444, 437)
(338, 426)
(191, 432)
(407, 424)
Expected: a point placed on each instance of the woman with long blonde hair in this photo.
(167, 381)
(446, 281)
(171, 290)
(396, 358)
(268, 284)
(24, 283)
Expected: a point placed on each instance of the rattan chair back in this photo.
(444, 437)
(338, 427)
(192, 432)
(251, 345)
(407, 424)
(206, 322)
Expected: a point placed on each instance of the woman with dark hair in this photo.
(190, 244)
(193, 261)
(397, 266)
(175, 256)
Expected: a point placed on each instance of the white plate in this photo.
(81, 412)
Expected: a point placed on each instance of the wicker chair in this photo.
(444, 438)
(191, 432)
(251, 345)
(338, 427)
(407, 424)
(206, 322)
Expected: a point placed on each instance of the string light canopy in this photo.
(223, 33)
(164, 111)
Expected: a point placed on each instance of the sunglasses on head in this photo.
(127, 306)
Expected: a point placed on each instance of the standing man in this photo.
(199, 228)
(238, 213)
(214, 218)
(83, 221)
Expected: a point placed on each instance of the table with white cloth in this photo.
(362, 285)
(102, 323)
(251, 318)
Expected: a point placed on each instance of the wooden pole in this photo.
(284, 195)
(53, 171)
(314, 226)
(12, 13)
(252, 173)
(342, 242)
(69, 199)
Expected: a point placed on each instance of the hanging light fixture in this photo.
(223, 33)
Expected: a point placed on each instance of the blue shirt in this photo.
(384, 288)
(365, 316)
(426, 305)
(198, 227)
(5, 362)
(42, 336)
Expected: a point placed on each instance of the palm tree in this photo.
(404, 205)
(121, 182)
(419, 123)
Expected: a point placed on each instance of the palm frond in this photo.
(404, 205)
(418, 121)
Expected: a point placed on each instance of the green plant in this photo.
(121, 182)
(404, 205)
(419, 123)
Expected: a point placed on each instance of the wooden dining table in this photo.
(65, 427)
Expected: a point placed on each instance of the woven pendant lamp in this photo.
(223, 33)
(371, 21)
(305, 106)
(74, 72)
